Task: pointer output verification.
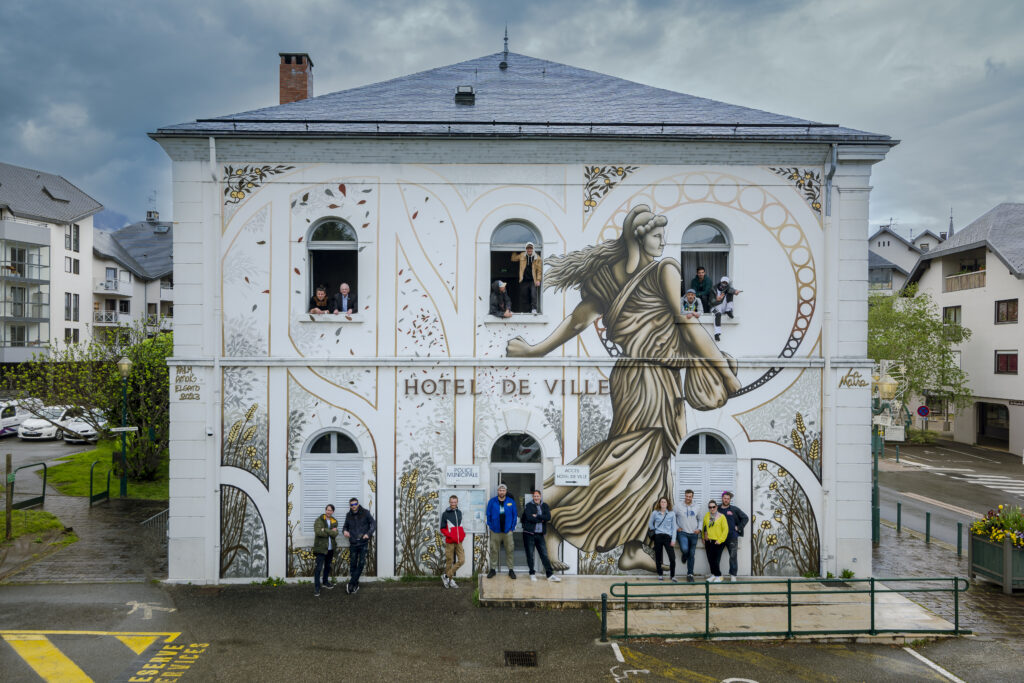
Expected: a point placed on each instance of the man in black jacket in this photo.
(359, 527)
(501, 302)
(737, 520)
(345, 300)
(536, 516)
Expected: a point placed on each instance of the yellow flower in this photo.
(766, 524)
(772, 539)
(607, 181)
(620, 171)
(762, 466)
(782, 472)
(238, 172)
(249, 185)
(774, 485)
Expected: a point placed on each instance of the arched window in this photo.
(707, 245)
(515, 448)
(510, 239)
(705, 463)
(333, 257)
(332, 472)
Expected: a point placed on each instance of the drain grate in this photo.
(520, 658)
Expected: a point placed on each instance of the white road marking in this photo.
(932, 468)
(147, 608)
(995, 482)
(618, 653)
(935, 666)
(939, 503)
(969, 455)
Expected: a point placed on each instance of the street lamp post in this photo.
(886, 389)
(124, 366)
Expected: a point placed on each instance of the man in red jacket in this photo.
(454, 534)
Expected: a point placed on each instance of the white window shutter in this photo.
(721, 477)
(315, 491)
(348, 482)
(691, 475)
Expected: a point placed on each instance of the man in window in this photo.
(344, 300)
(501, 302)
(530, 269)
(701, 287)
(319, 302)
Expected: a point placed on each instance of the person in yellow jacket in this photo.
(529, 277)
(715, 531)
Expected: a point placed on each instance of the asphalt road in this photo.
(395, 631)
(29, 452)
(954, 482)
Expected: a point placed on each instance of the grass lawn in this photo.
(36, 523)
(71, 477)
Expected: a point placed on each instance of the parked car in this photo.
(78, 430)
(12, 414)
(45, 426)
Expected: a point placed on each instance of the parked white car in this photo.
(38, 428)
(78, 430)
(12, 414)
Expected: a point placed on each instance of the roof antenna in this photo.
(504, 60)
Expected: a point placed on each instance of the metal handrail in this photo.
(102, 495)
(37, 500)
(959, 585)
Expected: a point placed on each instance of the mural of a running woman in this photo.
(626, 283)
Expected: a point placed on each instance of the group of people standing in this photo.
(720, 528)
(358, 528)
(704, 297)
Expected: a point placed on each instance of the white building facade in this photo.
(977, 278)
(416, 198)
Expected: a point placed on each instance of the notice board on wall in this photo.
(473, 504)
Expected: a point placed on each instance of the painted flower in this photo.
(766, 524)
(782, 472)
(772, 539)
(762, 466)
(774, 485)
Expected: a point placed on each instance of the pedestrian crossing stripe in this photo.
(46, 659)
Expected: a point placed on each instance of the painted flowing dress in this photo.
(630, 470)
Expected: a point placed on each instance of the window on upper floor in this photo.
(925, 246)
(1006, 362)
(706, 245)
(72, 234)
(124, 306)
(334, 261)
(511, 261)
(72, 265)
(1006, 311)
(951, 314)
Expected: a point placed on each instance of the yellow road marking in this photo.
(45, 659)
(138, 644)
(659, 668)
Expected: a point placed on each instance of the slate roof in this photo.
(879, 262)
(1001, 230)
(28, 193)
(140, 247)
(531, 98)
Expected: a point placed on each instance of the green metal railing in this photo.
(35, 500)
(788, 588)
(102, 495)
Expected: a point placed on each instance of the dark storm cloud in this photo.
(84, 82)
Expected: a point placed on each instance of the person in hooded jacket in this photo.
(359, 528)
(501, 302)
(723, 293)
(454, 534)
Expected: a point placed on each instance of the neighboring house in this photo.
(884, 276)
(977, 278)
(928, 240)
(133, 275)
(417, 192)
(46, 239)
(894, 248)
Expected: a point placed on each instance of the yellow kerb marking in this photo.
(138, 644)
(45, 659)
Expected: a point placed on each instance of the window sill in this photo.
(517, 319)
(331, 318)
(709, 319)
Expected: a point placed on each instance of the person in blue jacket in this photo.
(501, 520)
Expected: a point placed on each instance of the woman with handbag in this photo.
(716, 531)
(663, 524)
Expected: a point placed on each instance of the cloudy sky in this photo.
(83, 83)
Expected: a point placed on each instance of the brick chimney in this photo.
(296, 76)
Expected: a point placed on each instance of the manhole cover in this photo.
(520, 658)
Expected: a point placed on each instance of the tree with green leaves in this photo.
(85, 376)
(909, 330)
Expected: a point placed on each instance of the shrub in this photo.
(922, 437)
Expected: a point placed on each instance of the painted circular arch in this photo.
(750, 199)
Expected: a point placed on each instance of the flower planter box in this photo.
(1001, 563)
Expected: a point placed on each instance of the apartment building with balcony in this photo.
(977, 278)
(46, 229)
(132, 273)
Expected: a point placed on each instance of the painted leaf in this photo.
(341, 189)
(262, 242)
(297, 271)
(305, 197)
(327, 191)
(265, 291)
(332, 206)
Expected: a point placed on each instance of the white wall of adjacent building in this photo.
(71, 259)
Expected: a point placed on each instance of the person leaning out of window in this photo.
(715, 531)
(663, 524)
(320, 302)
